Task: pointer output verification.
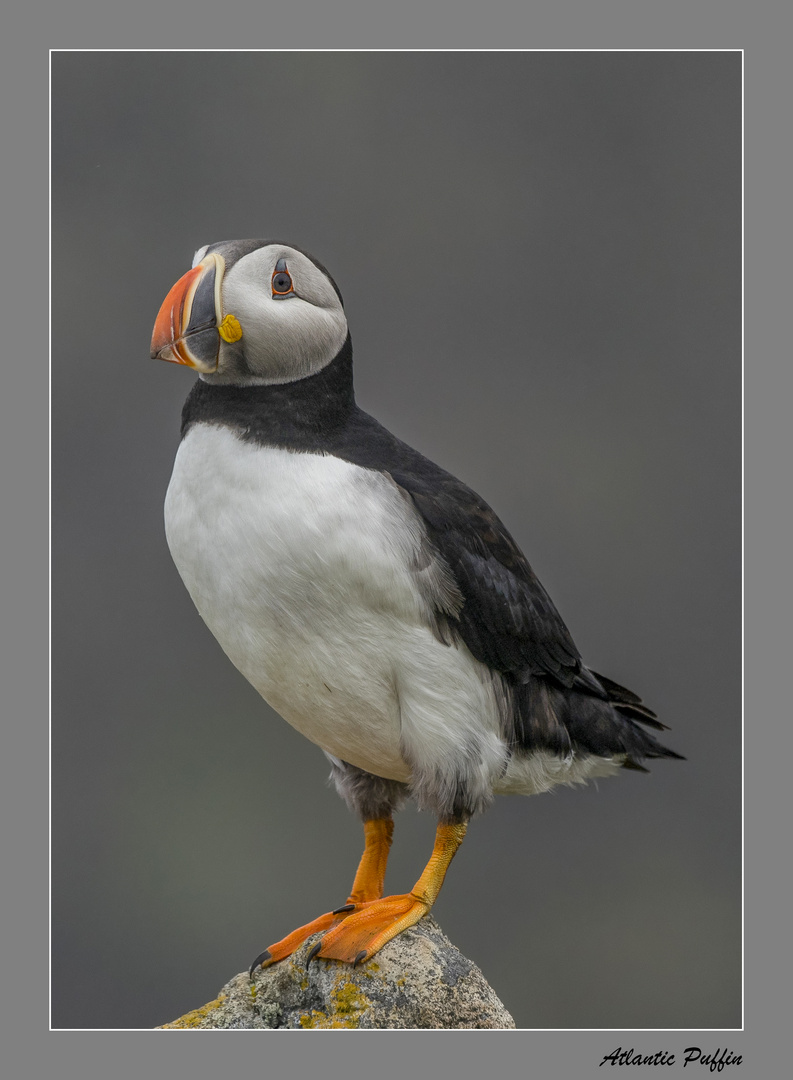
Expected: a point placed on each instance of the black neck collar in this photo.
(283, 414)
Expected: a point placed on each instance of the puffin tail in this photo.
(613, 723)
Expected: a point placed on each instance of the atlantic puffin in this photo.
(374, 600)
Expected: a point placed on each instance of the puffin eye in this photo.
(282, 281)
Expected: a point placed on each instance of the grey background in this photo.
(593, 397)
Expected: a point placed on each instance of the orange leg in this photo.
(368, 886)
(370, 876)
(375, 923)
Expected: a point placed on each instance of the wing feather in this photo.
(507, 619)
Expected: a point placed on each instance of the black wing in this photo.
(507, 620)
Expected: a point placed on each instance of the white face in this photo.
(284, 337)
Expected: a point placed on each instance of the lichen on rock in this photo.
(418, 980)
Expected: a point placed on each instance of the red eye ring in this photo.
(281, 281)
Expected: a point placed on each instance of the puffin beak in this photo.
(186, 328)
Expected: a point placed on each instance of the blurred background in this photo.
(590, 391)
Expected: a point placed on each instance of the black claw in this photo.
(313, 952)
(260, 959)
(339, 910)
(361, 956)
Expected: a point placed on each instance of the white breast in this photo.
(300, 564)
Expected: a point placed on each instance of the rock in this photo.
(418, 980)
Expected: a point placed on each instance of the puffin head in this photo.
(251, 312)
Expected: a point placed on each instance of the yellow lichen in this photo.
(347, 1004)
(193, 1019)
(348, 998)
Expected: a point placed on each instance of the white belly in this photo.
(300, 564)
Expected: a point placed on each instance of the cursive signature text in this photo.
(692, 1055)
